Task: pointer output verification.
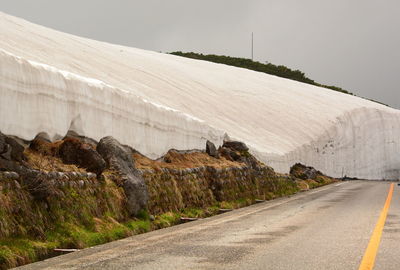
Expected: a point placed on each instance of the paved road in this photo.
(327, 228)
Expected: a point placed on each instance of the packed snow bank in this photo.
(282, 121)
(38, 98)
(362, 143)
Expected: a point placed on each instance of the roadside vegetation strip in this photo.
(59, 207)
(368, 260)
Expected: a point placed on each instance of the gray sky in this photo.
(353, 44)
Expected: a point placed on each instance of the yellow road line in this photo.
(368, 260)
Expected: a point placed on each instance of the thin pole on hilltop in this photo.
(252, 46)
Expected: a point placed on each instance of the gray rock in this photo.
(115, 155)
(81, 183)
(6, 156)
(43, 136)
(53, 175)
(119, 158)
(236, 146)
(211, 170)
(14, 175)
(211, 150)
(304, 172)
(2, 143)
(229, 154)
(17, 185)
(91, 176)
(17, 150)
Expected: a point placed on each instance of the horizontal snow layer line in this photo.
(92, 82)
(38, 98)
(363, 143)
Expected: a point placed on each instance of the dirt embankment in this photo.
(76, 193)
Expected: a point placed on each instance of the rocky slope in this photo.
(75, 192)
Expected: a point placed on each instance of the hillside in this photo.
(269, 68)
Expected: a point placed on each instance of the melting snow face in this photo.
(155, 102)
(40, 98)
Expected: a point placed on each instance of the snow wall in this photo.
(38, 98)
(52, 82)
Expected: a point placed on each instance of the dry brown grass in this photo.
(48, 163)
(178, 160)
(302, 184)
(45, 147)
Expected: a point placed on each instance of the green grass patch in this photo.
(139, 226)
(166, 220)
(14, 252)
(193, 212)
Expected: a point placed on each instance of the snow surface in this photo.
(52, 82)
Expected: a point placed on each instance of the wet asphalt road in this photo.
(326, 228)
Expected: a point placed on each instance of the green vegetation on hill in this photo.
(280, 71)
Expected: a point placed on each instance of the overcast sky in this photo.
(353, 44)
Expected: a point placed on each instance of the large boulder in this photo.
(250, 161)
(84, 139)
(301, 171)
(8, 165)
(11, 149)
(240, 156)
(119, 158)
(17, 149)
(73, 151)
(211, 150)
(44, 146)
(236, 146)
(229, 154)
